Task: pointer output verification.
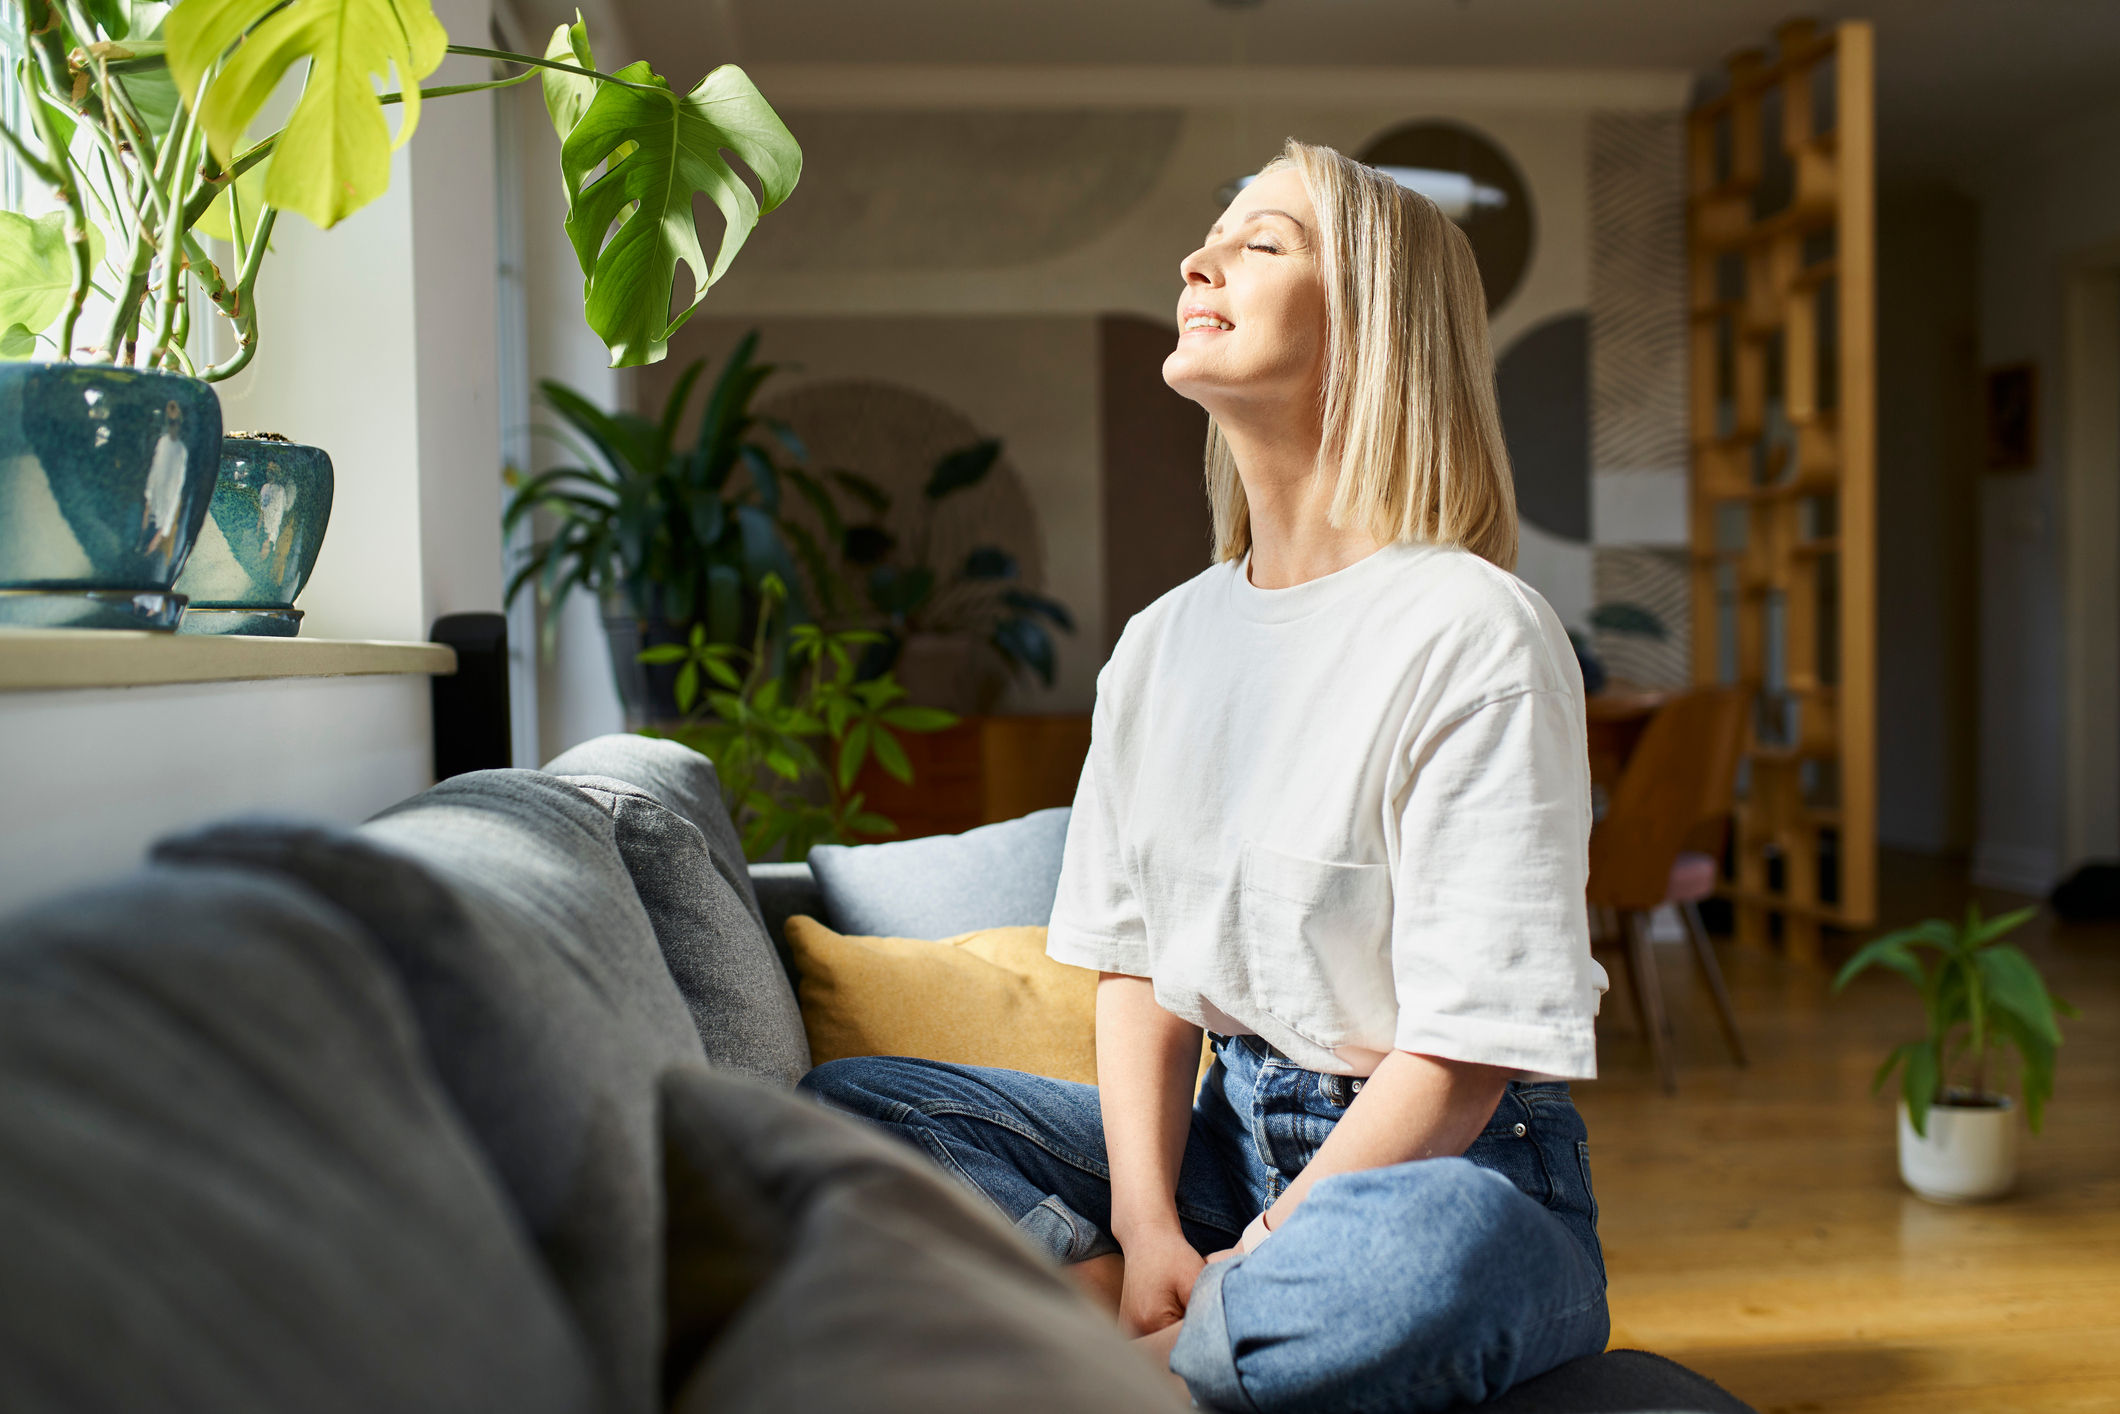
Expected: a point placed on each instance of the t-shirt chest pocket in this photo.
(1318, 935)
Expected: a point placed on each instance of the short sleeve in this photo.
(1490, 927)
(1097, 920)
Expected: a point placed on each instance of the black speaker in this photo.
(471, 723)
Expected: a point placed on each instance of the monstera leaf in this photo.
(36, 274)
(334, 156)
(567, 95)
(632, 222)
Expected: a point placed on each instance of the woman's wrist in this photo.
(1139, 1230)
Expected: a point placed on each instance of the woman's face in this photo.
(1251, 319)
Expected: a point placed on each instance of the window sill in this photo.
(61, 659)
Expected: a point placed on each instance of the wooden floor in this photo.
(1755, 1227)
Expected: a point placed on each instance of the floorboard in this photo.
(1755, 1227)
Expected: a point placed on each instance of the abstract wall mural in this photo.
(1543, 385)
(1502, 238)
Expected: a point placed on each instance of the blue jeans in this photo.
(1420, 1286)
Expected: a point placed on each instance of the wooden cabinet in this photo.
(982, 770)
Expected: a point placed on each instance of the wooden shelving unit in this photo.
(1782, 254)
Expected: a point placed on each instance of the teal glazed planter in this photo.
(105, 478)
(270, 507)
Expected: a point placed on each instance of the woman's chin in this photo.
(1183, 373)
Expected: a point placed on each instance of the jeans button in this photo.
(1520, 1131)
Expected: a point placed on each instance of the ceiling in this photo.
(1958, 80)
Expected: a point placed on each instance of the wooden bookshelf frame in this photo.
(1781, 235)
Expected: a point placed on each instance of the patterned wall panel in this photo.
(1656, 581)
(1637, 293)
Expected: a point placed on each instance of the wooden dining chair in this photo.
(1681, 775)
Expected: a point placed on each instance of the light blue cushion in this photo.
(996, 876)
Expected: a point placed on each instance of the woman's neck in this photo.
(1288, 492)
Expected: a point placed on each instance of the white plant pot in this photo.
(1968, 1156)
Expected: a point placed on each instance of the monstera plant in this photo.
(142, 124)
(141, 121)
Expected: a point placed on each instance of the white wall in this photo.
(376, 343)
(93, 778)
(1928, 460)
(2043, 208)
(576, 698)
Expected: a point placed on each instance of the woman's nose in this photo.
(1200, 268)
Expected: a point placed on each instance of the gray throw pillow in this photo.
(677, 776)
(732, 982)
(230, 1180)
(996, 876)
(500, 899)
(817, 1265)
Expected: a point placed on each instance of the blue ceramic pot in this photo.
(105, 476)
(270, 507)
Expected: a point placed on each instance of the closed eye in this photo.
(1269, 249)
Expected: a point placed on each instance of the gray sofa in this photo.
(485, 1105)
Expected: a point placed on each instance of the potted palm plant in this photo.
(1983, 1001)
(139, 126)
(669, 534)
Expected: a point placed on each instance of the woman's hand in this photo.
(1159, 1280)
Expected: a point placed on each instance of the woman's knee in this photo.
(875, 1087)
(1449, 1253)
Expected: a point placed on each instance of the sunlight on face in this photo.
(1251, 318)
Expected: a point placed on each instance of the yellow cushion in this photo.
(987, 998)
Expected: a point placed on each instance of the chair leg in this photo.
(1704, 950)
(1649, 995)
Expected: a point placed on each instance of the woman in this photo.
(1336, 814)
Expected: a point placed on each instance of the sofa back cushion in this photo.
(731, 979)
(997, 876)
(230, 1180)
(817, 1265)
(500, 899)
(681, 779)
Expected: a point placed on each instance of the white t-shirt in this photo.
(1346, 817)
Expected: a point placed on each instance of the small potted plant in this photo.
(1983, 1001)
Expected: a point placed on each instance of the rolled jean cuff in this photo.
(1205, 1357)
(1065, 1233)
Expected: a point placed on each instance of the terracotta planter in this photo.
(1968, 1156)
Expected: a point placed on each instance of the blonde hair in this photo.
(1409, 408)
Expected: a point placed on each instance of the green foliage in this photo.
(36, 272)
(914, 596)
(143, 112)
(633, 161)
(1980, 996)
(684, 532)
(333, 157)
(789, 747)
